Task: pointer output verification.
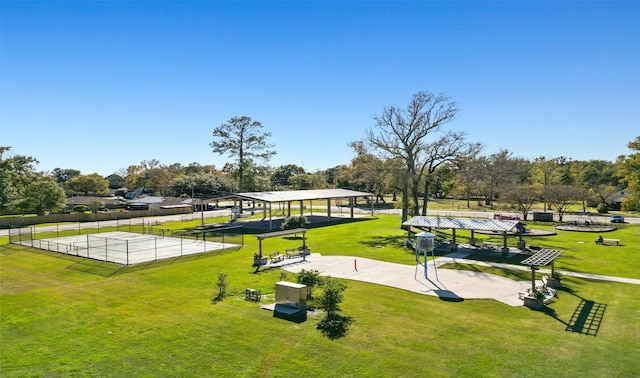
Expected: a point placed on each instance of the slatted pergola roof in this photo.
(462, 223)
(543, 257)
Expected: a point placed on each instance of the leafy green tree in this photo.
(467, 177)
(310, 278)
(282, 175)
(16, 172)
(63, 175)
(600, 179)
(305, 181)
(91, 183)
(44, 196)
(630, 173)
(116, 181)
(331, 297)
(369, 173)
(500, 170)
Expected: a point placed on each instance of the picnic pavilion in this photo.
(505, 227)
(291, 196)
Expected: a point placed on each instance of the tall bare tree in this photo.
(401, 134)
(522, 196)
(446, 149)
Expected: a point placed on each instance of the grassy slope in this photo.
(158, 319)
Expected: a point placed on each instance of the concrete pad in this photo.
(447, 284)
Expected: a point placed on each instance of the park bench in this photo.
(296, 252)
(489, 246)
(276, 256)
(610, 241)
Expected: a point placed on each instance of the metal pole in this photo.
(425, 263)
(433, 257)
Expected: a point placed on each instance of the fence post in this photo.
(155, 247)
(127, 248)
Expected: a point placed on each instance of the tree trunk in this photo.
(416, 198)
(405, 201)
(426, 197)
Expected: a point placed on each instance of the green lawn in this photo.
(62, 316)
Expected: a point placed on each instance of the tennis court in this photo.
(126, 248)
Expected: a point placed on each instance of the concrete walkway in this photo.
(448, 284)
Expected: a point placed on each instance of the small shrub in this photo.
(311, 278)
(602, 208)
(81, 208)
(222, 287)
(297, 221)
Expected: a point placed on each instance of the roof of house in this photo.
(164, 201)
(88, 200)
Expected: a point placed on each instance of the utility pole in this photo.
(545, 190)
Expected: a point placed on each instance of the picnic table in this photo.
(490, 246)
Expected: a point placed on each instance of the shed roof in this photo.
(462, 223)
(299, 195)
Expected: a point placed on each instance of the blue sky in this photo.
(98, 86)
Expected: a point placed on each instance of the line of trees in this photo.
(408, 152)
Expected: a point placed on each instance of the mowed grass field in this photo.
(65, 316)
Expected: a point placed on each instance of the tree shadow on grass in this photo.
(335, 326)
(383, 241)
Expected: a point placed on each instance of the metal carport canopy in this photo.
(299, 195)
(462, 223)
